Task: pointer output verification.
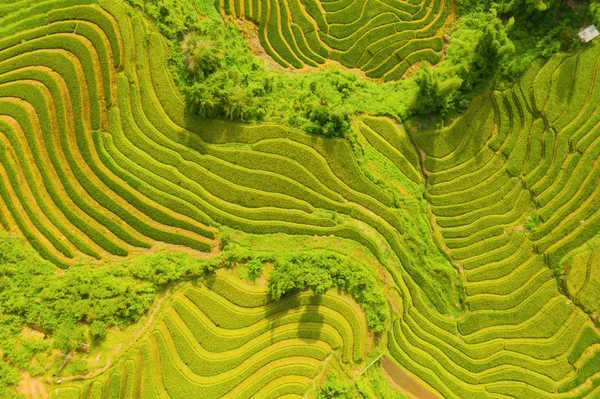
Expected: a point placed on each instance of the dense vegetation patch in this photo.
(488, 41)
(320, 271)
(80, 305)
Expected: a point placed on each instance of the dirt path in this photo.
(32, 388)
(406, 382)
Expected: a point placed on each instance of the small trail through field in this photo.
(32, 388)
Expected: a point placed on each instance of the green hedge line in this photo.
(95, 16)
(108, 153)
(490, 369)
(512, 299)
(31, 236)
(476, 239)
(72, 78)
(511, 277)
(391, 153)
(492, 220)
(500, 199)
(96, 390)
(115, 386)
(543, 325)
(39, 8)
(463, 179)
(148, 386)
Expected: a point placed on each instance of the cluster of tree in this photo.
(78, 305)
(496, 40)
(478, 48)
(172, 17)
(221, 78)
(320, 270)
(98, 297)
(491, 40)
(370, 385)
(335, 387)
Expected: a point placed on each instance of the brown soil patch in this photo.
(520, 228)
(406, 382)
(250, 31)
(32, 388)
(32, 334)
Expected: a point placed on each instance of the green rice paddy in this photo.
(483, 232)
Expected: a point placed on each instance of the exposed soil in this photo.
(32, 388)
(408, 384)
(250, 31)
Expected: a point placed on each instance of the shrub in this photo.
(336, 388)
(320, 271)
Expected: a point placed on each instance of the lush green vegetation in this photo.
(79, 306)
(489, 41)
(248, 342)
(320, 271)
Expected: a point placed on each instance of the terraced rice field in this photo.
(100, 159)
(383, 39)
(231, 341)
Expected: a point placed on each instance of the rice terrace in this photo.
(356, 199)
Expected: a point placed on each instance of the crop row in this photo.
(511, 192)
(42, 104)
(162, 164)
(187, 350)
(382, 39)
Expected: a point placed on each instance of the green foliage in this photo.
(98, 329)
(436, 94)
(32, 290)
(174, 18)
(372, 384)
(83, 301)
(335, 387)
(533, 221)
(255, 268)
(321, 270)
(221, 78)
(9, 377)
(78, 366)
(68, 336)
(167, 267)
(478, 46)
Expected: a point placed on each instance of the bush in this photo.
(336, 388)
(321, 270)
(78, 367)
(255, 268)
(436, 94)
(166, 267)
(97, 329)
(68, 337)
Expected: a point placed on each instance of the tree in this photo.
(436, 94)
(203, 56)
(68, 337)
(335, 388)
(98, 329)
